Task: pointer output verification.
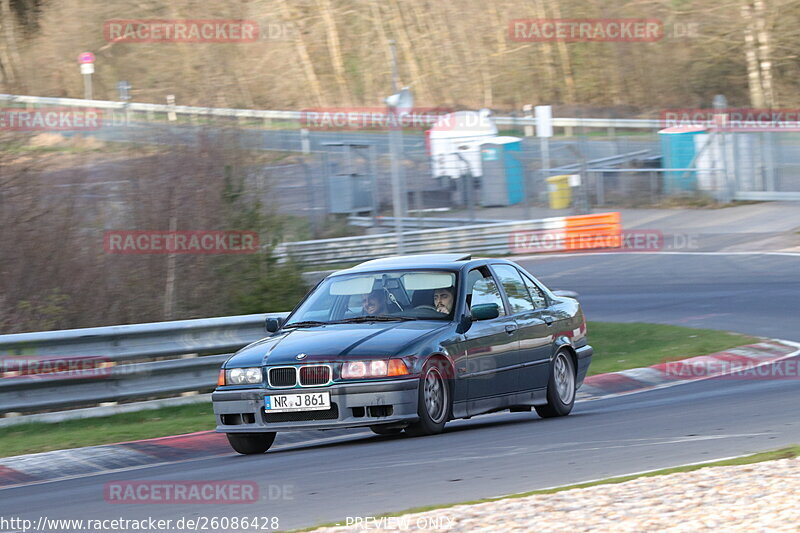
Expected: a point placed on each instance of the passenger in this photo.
(443, 300)
(374, 303)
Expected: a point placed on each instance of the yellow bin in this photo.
(559, 192)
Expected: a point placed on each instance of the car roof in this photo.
(447, 261)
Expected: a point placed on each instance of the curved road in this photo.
(362, 475)
(749, 293)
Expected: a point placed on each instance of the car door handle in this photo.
(511, 329)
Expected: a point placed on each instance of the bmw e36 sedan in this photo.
(405, 344)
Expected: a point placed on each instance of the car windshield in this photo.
(379, 296)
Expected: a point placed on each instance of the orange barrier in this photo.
(561, 234)
(588, 232)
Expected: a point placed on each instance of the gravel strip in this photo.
(760, 497)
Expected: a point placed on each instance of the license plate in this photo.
(301, 401)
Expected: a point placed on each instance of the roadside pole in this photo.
(86, 60)
(398, 102)
(544, 130)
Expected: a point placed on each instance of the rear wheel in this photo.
(251, 443)
(434, 401)
(560, 388)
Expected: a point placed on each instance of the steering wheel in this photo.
(432, 308)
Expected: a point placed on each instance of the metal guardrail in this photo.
(416, 222)
(139, 361)
(152, 108)
(495, 238)
(297, 115)
(767, 196)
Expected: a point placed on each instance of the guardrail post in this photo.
(600, 186)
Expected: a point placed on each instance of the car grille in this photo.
(309, 376)
(301, 416)
(314, 375)
(282, 377)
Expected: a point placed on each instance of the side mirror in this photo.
(273, 324)
(485, 311)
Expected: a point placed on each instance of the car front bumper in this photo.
(353, 405)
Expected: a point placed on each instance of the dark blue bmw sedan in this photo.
(405, 344)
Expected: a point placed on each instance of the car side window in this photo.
(518, 296)
(481, 289)
(536, 292)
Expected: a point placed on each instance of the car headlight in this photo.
(243, 376)
(378, 368)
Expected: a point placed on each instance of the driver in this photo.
(374, 303)
(443, 300)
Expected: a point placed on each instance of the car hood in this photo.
(335, 342)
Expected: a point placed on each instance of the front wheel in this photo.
(434, 402)
(251, 443)
(560, 388)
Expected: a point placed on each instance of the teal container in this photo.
(502, 172)
(678, 151)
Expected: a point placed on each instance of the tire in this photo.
(383, 430)
(251, 443)
(434, 402)
(560, 388)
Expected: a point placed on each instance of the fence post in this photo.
(601, 193)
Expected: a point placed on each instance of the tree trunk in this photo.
(335, 50)
(9, 55)
(751, 55)
(566, 62)
(549, 57)
(305, 58)
(763, 38)
(382, 43)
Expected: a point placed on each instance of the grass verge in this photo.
(783, 453)
(621, 346)
(42, 437)
(617, 347)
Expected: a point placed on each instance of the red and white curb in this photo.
(78, 462)
(742, 363)
(60, 465)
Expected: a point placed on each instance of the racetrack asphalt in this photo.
(364, 475)
(757, 294)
